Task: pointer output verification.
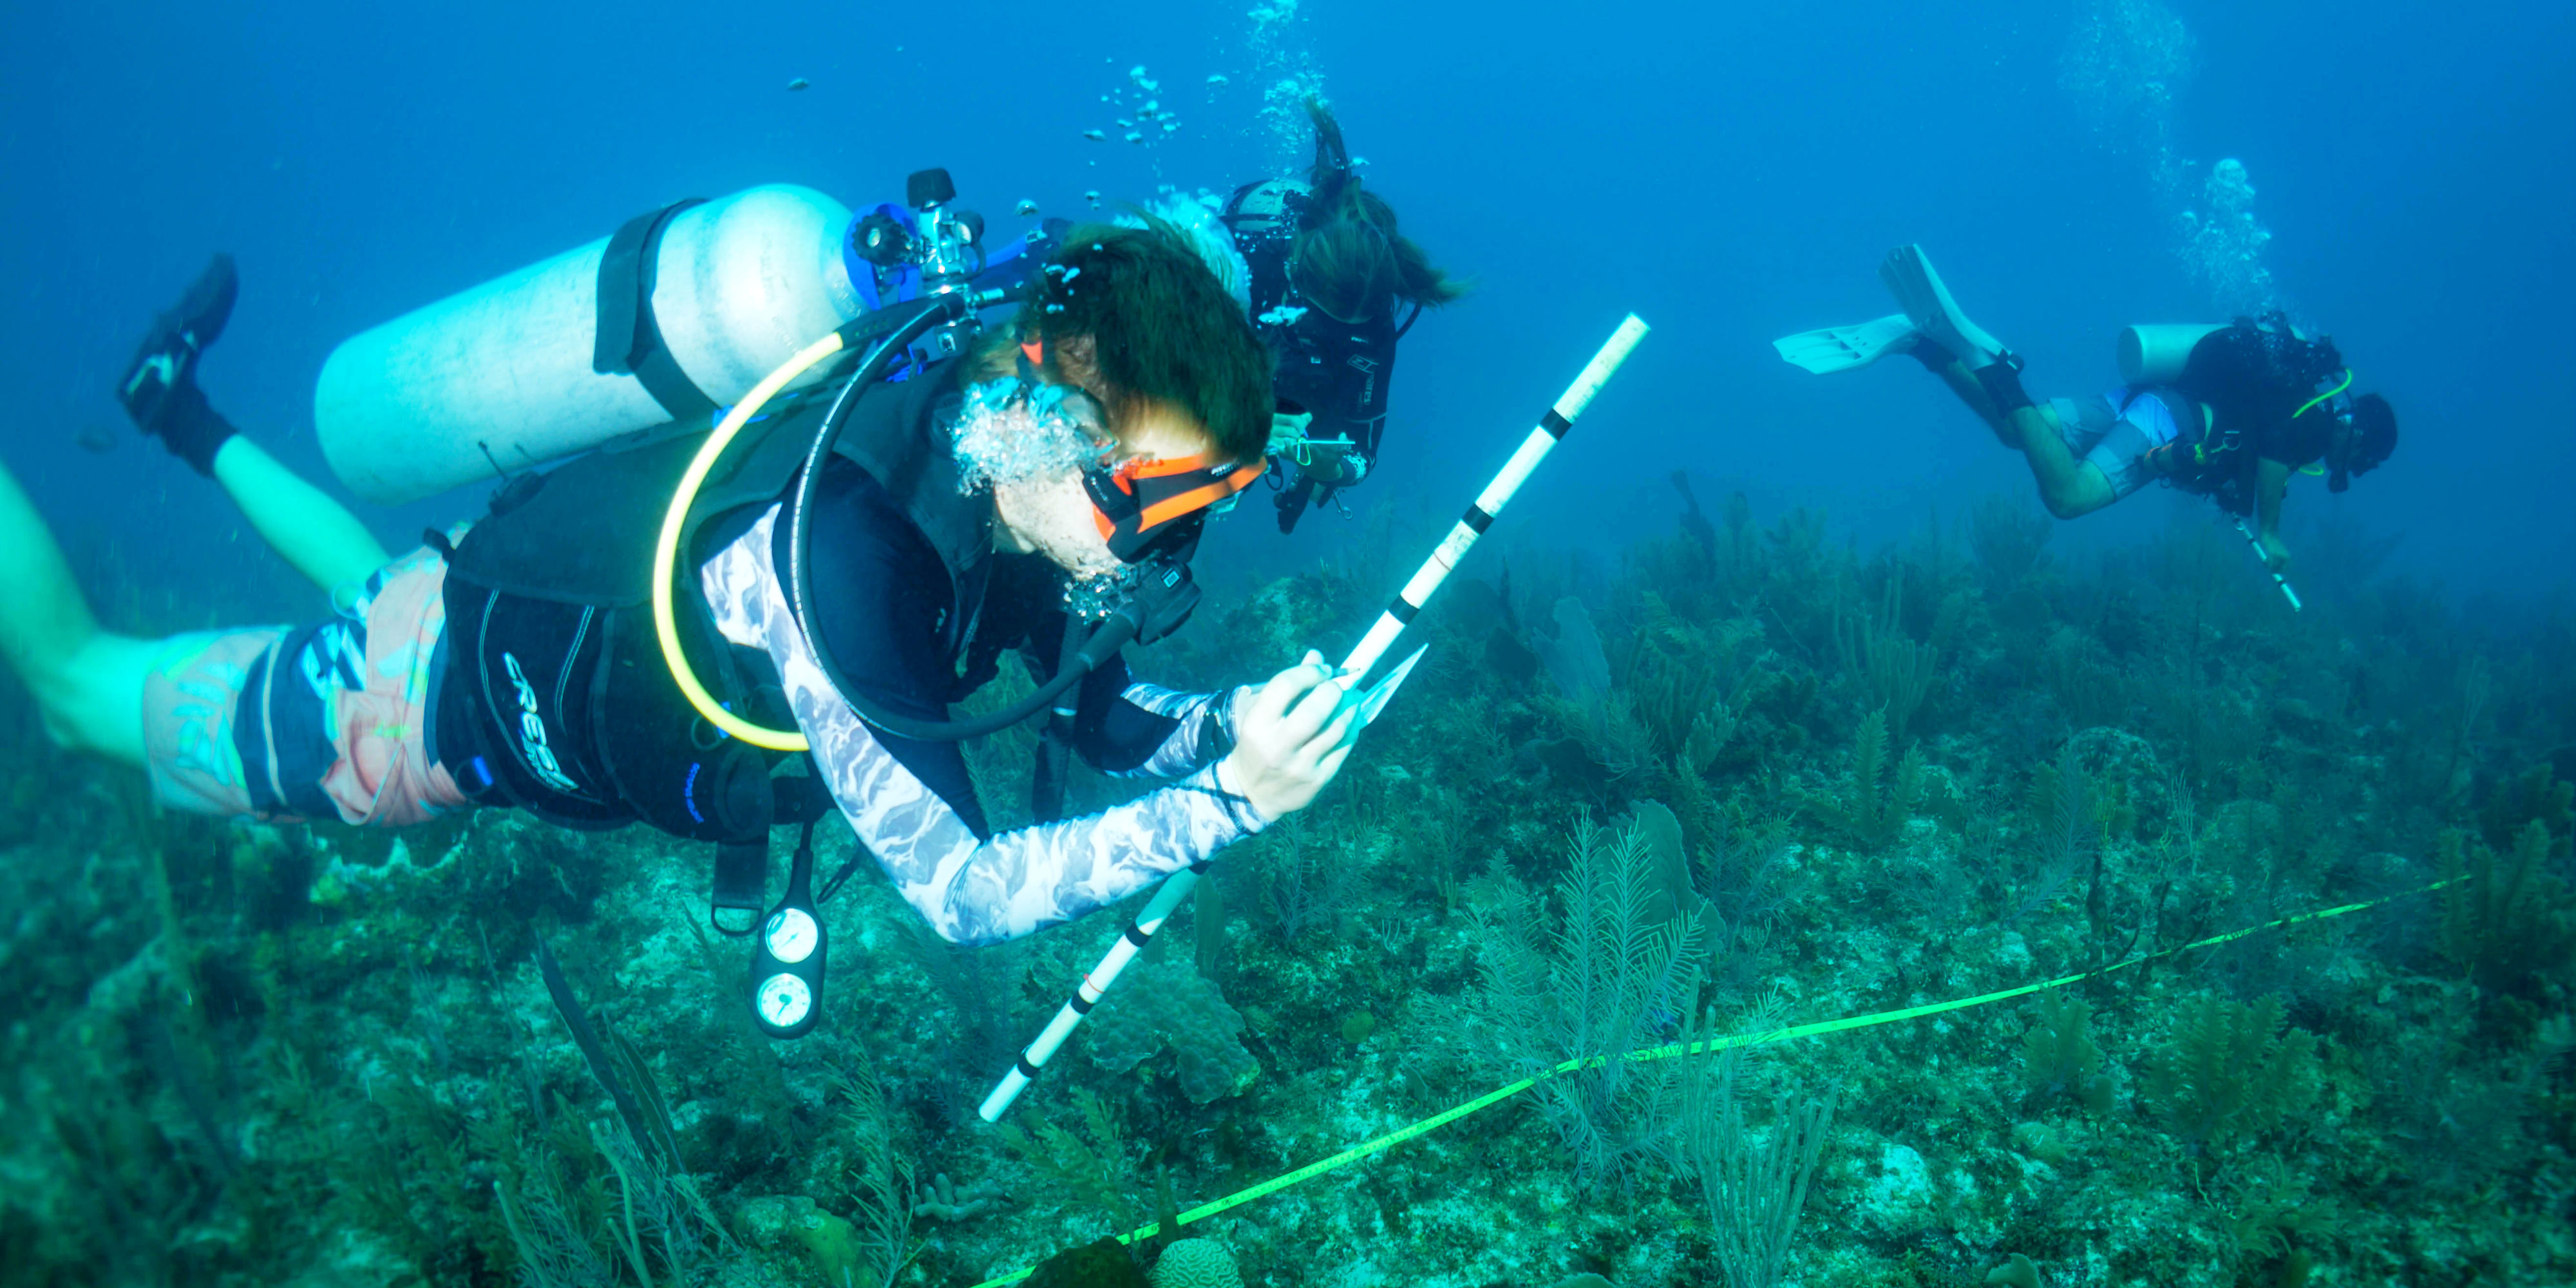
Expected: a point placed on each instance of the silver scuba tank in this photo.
(678, 314)
(2156, 353)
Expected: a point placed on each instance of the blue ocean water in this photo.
(1729, 173)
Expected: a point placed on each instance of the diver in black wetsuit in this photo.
(1334, 286)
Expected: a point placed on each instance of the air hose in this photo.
(2303, 407)
(1163, 599)
(1165, 595)
(666, 544)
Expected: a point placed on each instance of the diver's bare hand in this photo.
(1291, 735)
(2276, 556)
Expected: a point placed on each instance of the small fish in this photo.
(1153, 105)
(1092, 196)
(1217, 79)
(96, 439)
(1094, 135)
(1125, 124)
(1171, 127)
(1027, 207)
(797, 84)
(1135, 136)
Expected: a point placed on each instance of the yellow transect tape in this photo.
(1499, 1094)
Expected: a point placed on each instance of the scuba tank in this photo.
(683, 310)
(2156, 353)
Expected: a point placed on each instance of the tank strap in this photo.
(628, 340)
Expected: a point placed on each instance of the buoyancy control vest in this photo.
(554, 677)
(2248, 381)
(1336, 370)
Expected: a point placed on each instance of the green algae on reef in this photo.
(1841, 784)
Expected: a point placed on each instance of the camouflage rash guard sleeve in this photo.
(972, 890)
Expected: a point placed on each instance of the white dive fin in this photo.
(1374, 699)
(1847, 348)
(1910, 277)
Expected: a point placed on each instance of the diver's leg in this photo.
(87, 682)
(318, 535)
(159, 389)
(2067, 486)
(1963, 382)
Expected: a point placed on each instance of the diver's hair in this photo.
(2374, 425)
(1133, 316)
(1348, 256)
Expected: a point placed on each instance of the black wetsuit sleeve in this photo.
(883, 605)
(1130, 729)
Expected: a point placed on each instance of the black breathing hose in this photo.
(1106, 639)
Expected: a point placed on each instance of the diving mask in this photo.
(1146, 508)
(1143, 507)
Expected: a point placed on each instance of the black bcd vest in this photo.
(555, 677)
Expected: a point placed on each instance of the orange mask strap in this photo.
(1196, 499)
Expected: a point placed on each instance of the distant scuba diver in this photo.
(2228, 412)
(1334, 287)
(838, 590)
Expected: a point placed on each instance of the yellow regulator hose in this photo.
(666, 550)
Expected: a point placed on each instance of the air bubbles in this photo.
(1146, 120)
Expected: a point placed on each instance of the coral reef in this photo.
(1742, 777)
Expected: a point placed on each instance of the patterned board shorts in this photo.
(2113, 432)
(319, 721)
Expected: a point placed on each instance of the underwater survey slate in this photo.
(1287, 644)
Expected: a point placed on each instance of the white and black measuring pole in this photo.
(2264, 559)
(1371, 649)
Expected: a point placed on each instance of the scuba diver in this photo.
(1011, 485)
(1334, 286)
(2228, 412)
